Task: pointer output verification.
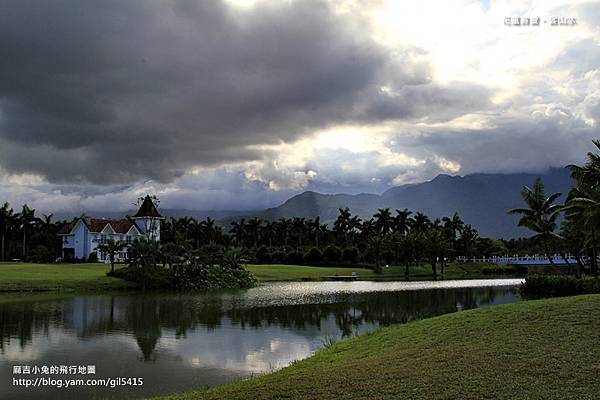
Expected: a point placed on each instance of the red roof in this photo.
(96, 225)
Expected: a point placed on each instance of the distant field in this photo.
(281, 272)
(28, 277)
(22, 277)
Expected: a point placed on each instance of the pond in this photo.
(180, 342)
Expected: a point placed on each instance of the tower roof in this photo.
(147, 209)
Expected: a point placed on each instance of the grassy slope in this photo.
(58, 277)
(546, 349)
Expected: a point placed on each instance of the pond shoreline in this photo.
(484, 353)
(215, 337)
(91, 278)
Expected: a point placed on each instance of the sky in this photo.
(240, 104)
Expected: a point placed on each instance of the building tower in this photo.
(148, 219)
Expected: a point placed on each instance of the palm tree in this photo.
(239, 231)
(233, 258)
(283, 229)
(211, 231)
(402, 221)
(316, 229)
(454, 224)
(541, 214)
(196, 230)
(268, 231)
(26, 219)
(253, 228)
(583, 202)
(299, 228)
(421, 222)
(468, 235)
(583, 205)
(6, 219)
(111, 248)
(573, 230)
(383, 221)
(342, 223)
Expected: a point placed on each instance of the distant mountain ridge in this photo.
(481, 199)
(166, 212)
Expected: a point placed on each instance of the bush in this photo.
(313, 256)
(198, 276)
(263, 255)
(332, 254)
(294, 257)
(350, 255)
(540, 286)
(93, 257)
(192, 276)
(42, 254)
(278, 256)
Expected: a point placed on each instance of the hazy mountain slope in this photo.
(481, 199)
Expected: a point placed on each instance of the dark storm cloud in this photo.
(514, 145)
(118, 91)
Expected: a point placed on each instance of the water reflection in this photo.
(209, 339)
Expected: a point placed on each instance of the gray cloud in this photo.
(128, 90)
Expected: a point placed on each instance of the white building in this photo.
(82, 237)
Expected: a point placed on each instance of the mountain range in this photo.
(482, 200)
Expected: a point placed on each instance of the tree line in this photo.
(578, 233)
(389, 237)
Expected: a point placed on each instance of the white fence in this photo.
(524, 260)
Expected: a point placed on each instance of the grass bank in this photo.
(91, 277)
(544, 349)
(28, 277)
(284, 272)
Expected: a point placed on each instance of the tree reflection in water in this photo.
(146, 316)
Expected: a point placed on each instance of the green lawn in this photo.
(545, 349)
(282, 272)
(22, 277)
(28, 277)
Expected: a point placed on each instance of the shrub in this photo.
(196, 276)
(294, 257)
(332, 253)
(278, 256)
(41, 254)
(263, 255)
(193, 276)
(93, 257)
(350, 254)
(313, 256)
(387, 257)
(539, 286)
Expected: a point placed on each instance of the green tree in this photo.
(583, 202)
(342, 224)
(111, 248)
(239, 231)
(27, 220)
(540, 215)
(6, 220)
